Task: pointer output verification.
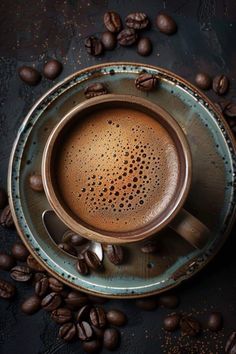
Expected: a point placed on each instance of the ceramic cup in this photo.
(89, 202)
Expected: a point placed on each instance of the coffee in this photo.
(117, 169)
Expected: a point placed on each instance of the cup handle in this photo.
(190, 228)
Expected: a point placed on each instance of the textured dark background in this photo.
(31, 31)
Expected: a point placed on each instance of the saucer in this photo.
(211, 198)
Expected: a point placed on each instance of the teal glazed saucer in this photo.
(211, 198)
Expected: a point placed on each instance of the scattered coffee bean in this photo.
(29, 75)
(99, 332)
(93, 46)
(115, 254)
(61, 315)
(6, 261)
(21, 273)
(68, 248)
(221, 105)
(127, 37)
(83, 313)
(108, 40)
(31, 305)
(92, 260)
(72, 238)
(98, 317)
(93, 346)
(67, 331)
(144, 46)
(51, 302)
(96, 89)
(81, 265)
(112, 21)
(36, 183)
(149, 247)
(41, 287)
(230, 347)
(34, 265)
(19, 252)
(146, 82)
(75, 300)
(52, 69)
(215, 321)
(169, 301)
(3, 198)
(203, 81)
(220, 84)
(137, 20)
(6, 219)
(37, 277)
(116, 318)
(166, 24)
(227, 107)
(189, 326)
(111, 338)
(147, 304)
(7, 290)
(171, 322)
(55, 285)
(85, 331)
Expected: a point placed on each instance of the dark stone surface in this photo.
(31, 32)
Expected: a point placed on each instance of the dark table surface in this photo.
(33, 31)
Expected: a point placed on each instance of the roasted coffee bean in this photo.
(6, 261)
(137, 20)
(68, 248)
(111, 338)
(221, 105)
(220, 84)
(203, 81)
(93, 346)
(7, 290)
(19, 252)
(93, 45)
(52, 69)
(144, 46)
(98, 332)
(83, 313)
(37, 277)
(98, 317)
(96, 89)
(147, 304)
(116, 317)
(189, 326)
(166, 24)
(171, 322)
(97, 299)
(55, 285)
(127, 37)
(21, 273)
(36, 183)
(41, 287)
(112, 21)
(230, 347)
(215, 321)
(34, 265)
(64, 293)
(115, 254)
(72, 238)
(3, 198)
(146, 82)
(92, 260)
(67, 331)
(232, 124)
(108, 40)
(31, 305)
(149, 247)
(169, 301)
(85, 331)
(51, 301)
(6, 219)
(82, 266)
(61, 315)
(227, 107)
(75, 300)
(29, 75)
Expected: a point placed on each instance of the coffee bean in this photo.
(166, 24)
(37, 277)
(98, 332)
(203, 81)
(67, 331)
(93, 45)
(83, 313)
(116, 317)
(36, 183)
(29, 75)
(81, 265)
(85, 331)
(6, 219)
(19, 252)
(3, 198)
(227, 107)
(108, 40)
(230, 347)
(169, 301)
(6, 261)
(137, 20)
(52, 69)
(111, 338)
(68, 248)
(96, 89)
(31, 305)
(144, 46)
(232, 124)
(171, 322)
(98, 317)
(72, 238)
(55, 285)
(41, 287)
(215, 321)
(92, 260)
(97, 299)
(75, 300)
(146, 82)
(93, 346)
(34, 265)
(112, 21)
(115, 254)
(220, 84)
(149, 247)
(147, 304)
(61, 315)
(221, 105)
(189, 326)
(21, 273)
(127, 37)
(7, 290)
(51, 301)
